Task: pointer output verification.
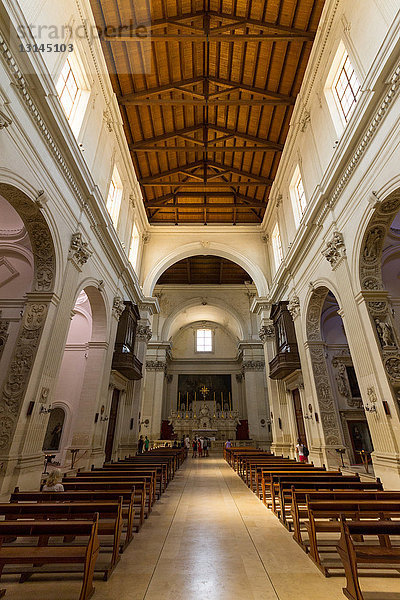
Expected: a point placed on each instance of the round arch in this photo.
(35, 312)
(213, 249)
(170, 325)
(99, 307)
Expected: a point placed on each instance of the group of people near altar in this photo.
(200, 447)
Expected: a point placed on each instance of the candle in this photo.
(187, 400)
(179, 401)
(230, 402)
(215, 406)
(195, 404)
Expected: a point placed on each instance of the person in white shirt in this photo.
(300, 451)
(53, 482)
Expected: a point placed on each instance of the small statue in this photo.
(385, 333)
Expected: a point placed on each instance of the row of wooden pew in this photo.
(340, 521)
(89, 524)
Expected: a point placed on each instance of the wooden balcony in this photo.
(284, 363)
(127, 364)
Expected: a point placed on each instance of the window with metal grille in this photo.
(67, 89)
(347, 88)
(204, 340)
(277, 246)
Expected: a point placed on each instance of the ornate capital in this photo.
(118, 307)
(156, 365)
(294, 306)
(79, 251)
(143, 333)
(4, 120)
(239, 377)
(253, 365)
(335, 250)
(266, 332)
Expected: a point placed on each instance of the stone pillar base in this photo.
(387, 468)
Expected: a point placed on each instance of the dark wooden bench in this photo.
(270, 481)
(354, 554)
(128, 504)
(139, 487)
(149, 476)
(323, 517)
(298, 509)
(110, 520)
(27, 560)
(140, 482)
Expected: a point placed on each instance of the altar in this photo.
(205, 422)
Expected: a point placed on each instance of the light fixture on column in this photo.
(44, 410)
(371, 408)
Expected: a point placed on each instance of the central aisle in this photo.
(209, 538)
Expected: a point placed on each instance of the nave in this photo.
(210, 537)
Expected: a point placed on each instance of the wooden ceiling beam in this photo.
(204, 150)
(233, 184)
(185, 170)
(203, 37)
(204, 102)
(201, 206)
(141, 97)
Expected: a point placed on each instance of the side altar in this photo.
(218, 424)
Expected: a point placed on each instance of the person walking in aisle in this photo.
(205, 447)
(140, 445)
(146, 444)
(194, 446)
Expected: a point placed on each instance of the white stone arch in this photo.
(167, 328)
(15, 180)
(321, 282)
(380, 195)
(100, 306)
(212, 249)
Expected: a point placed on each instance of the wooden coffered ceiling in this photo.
(206, 98)
(208, 270)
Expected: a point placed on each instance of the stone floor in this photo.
(209, 538)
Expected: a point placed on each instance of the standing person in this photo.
(140, 445)
(228, 444)
(194, 446)
(146, 444)
(300, 451)
(187, 442)
(200, 447)
(205, 447)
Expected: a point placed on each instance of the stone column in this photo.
(373, 343)
(46, 316)
(253, 369)
(153, 389)
(135, 388)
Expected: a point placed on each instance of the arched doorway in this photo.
(341, 411)
(80, 376)
(27, 277)
(379, 278)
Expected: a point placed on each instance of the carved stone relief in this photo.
(35, 313)
(335, 249)
(4, 325)
(143, 333)
(266, 332)
(326, 401)
(156, 365)
(79, 252)
(118, 307)
(294, 306)
(371, 280)
(253, 365)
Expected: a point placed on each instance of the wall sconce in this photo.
(145, 422)
(371, 408)
(279, 423)
(45, 410)
(309, 417)
(103, 419)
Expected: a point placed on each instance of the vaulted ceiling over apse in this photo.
(206, 90)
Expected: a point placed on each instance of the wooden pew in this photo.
(322, 515)
(36, 556)
(297, 498)
(270, 481)
(121, 487)
(256, 479)
(128, 504)
(149, 477)
(110, 519)
(160, 474)
(354, 555)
